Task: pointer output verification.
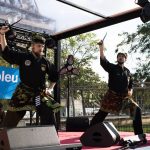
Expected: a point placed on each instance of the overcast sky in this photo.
(68, 17)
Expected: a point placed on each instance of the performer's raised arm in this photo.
(3, 30)
(10, 55)
(103, 61)
(101, 48)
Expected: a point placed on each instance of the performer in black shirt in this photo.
(119, 94)
(31, 93)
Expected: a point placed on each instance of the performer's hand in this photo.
(49, 91)
(4, 29)
(130, 93)
(100, 43)
(101, 48)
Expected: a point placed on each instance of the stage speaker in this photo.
(76, 124)
(100, 135)
(28, 137)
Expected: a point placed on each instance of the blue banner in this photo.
(9, 79)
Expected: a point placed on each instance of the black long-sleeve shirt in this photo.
(32, 69)
(120, 79)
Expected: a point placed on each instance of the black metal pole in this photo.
(68, 99)
(83, 8)
(57, 54)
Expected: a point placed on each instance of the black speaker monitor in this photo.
(75, 124)
(100, 135)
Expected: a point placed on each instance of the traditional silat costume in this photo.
(116, 98)
(30, 93)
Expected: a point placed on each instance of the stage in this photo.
(73, 137)
(46, 138)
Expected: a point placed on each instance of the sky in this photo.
(67, 17)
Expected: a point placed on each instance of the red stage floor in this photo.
(73, 137)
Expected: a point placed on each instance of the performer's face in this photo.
(38, 48)
(121, 59)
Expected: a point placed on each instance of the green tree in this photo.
(139, 43)
(87, 85)
(82, 47)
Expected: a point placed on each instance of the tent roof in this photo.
(62, 20)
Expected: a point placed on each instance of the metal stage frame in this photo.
(100, 23)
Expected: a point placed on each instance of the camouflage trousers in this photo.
(116, 103)
(24, 99)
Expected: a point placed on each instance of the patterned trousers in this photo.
(114, 103)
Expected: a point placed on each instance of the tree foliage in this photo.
(87, 86)
(139, 43)
(83, 48)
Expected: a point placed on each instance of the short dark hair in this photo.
(120, 53)
(38, 39)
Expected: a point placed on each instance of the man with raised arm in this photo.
(31, 92)
(119, 94)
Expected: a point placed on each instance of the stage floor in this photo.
(73, 137)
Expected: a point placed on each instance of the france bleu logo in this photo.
(9, 79)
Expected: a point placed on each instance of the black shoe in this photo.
(144, 139)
